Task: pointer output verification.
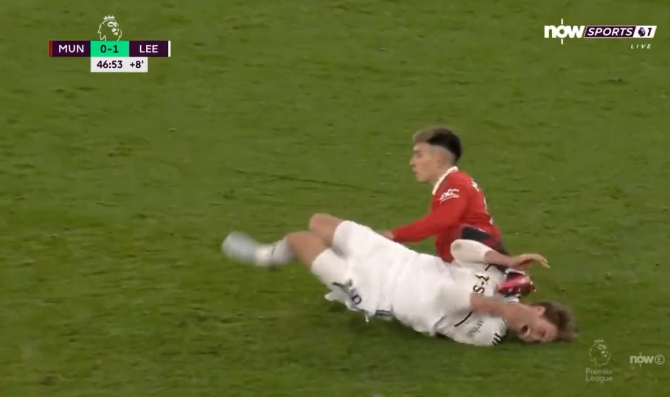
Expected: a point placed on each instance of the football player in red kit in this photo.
(458, 209)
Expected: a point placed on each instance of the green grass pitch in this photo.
(116, 190)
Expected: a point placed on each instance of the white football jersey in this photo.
(460, 323)
(478, 330)
(440, 302)
(430, 296)
(417, 299)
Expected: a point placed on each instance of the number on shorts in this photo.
(351, 292)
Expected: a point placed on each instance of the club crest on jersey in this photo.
(449, 194)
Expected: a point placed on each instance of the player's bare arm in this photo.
(519, 262)
(469, 251)
(386, 233)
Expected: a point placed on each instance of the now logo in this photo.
(658, 359)
(562, 32)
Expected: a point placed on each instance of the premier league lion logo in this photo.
(599, 354)
(109, 27)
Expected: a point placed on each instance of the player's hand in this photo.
(519, 316)
(386, 233)
(525, 261)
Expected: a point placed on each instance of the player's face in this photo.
(424, 162)
(541, 331)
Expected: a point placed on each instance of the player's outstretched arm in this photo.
(469, 251)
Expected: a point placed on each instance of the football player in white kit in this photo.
(383, 279)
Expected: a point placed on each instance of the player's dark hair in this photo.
(442, 137)
(562, 318)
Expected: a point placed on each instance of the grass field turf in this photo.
(116, 190)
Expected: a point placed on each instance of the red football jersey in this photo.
(457, 202)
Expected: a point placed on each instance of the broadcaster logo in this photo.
(599, 31)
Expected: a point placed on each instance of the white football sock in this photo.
(274, 254)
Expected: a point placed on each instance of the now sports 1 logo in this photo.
(599, 32)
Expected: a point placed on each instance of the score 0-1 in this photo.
(104, 48)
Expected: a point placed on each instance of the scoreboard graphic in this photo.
(112, 56)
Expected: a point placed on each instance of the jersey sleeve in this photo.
(469, 251)
(451, 206)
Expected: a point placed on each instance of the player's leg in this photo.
(372, 258)
(243, 248)
(311, 250)
(325, 226)
(350, 239)
(318, 257)
(246, 249)
(344, 236)
(305, 247)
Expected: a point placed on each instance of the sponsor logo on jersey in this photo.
(476, 329)
(449, 194)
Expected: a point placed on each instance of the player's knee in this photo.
(305, 246)
(296, 239)
(324, 225)
(319, 221)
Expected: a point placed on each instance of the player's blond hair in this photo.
(442, 139)
(562, 318)
(426, 134)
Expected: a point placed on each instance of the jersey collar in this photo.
(443, 177)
